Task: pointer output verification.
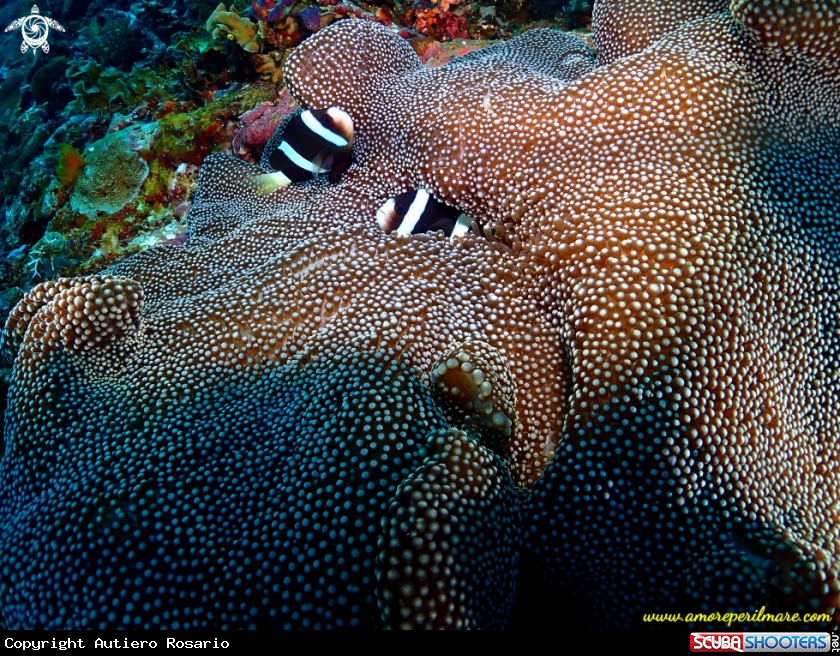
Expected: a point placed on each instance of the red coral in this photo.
(435, 53)
(167, 108)
(347, 8)
(257, 126)
(443, 25)
(426, 48)
(96, 232)
(450, 27)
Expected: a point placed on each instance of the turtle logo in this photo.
(35, 30)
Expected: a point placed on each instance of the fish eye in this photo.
(327, 120)
(401, 209)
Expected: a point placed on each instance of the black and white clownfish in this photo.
(417, 211)
(305, 146)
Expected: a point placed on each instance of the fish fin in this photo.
(387, 217)
(322, 162)
(338, 169)
(462, 226)
(268, 183)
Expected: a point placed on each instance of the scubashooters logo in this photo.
(717, 642)
(764, 642)
(36, 29)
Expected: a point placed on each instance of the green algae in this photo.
(114, 171)
(109, 90)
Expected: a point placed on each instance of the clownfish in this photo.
(307, 145)
(417, 211)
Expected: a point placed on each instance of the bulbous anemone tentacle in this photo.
(253, 439)
(78, 314)
(671, 458)
(560, 55)
(274, 490)
(799, 28)
(625, 27)
(475, 383)
(449, 557)
(352, 73)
